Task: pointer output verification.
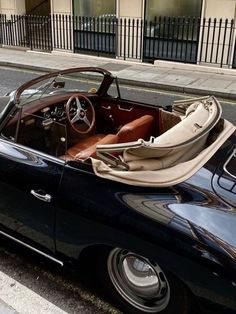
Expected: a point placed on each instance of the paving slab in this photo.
(178, 79)
(214, 83)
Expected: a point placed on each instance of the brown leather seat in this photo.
(136, 129)
(132, 131)
(83, 145)
(87, 147)
(91, 151)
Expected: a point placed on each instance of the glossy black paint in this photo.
(189, 229)
(181, 227)
(21, 213)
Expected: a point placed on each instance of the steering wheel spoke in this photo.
(86, 121)
(75, 118)
(78, 104)
(85, 116)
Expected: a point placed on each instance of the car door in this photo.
(29, 180)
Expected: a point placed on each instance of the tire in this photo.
(137, 285)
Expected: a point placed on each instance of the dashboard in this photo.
(56, 112)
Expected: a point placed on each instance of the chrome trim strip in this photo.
(32, 248)
(226, 163)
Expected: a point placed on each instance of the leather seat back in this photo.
(136, 129)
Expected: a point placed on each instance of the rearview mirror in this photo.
(59, 84)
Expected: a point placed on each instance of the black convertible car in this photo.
(145, 195)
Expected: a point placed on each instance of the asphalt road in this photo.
(43, 287)
(40, 280)
(12, 78)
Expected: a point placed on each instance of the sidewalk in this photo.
(163, 75)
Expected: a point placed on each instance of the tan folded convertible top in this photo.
(170, 158)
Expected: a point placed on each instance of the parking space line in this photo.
(16, 298)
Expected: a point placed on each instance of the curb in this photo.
(165, 87)
(194, 67)
(27, 67)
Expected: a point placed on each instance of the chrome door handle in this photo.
(41, 195)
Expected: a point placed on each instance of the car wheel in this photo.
(138, 285)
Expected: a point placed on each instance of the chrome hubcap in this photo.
(140, 282)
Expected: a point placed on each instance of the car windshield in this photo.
(87, 81)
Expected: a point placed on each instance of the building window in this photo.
(95, 27)
(155, 8)
(95, 8)
(37, 7)
(172, 30)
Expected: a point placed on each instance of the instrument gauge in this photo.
(59, 112)
(46, 112)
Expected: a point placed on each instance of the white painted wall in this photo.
(211, 51)
(9, 7)
(224, 9)
(132, 9)
(61, 6)
(64, 7)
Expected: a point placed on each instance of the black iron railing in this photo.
(217, 42)
(62, 26)
(95, 35)
(171, 38)
(182, 39)
(28, 31)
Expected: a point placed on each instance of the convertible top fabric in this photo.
(163, 177)
(171, 157)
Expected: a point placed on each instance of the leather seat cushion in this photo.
(91, 151)
(84, 144)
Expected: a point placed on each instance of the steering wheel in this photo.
(76, 113)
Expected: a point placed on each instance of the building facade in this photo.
(122, 8)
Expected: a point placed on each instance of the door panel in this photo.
(21, 171)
